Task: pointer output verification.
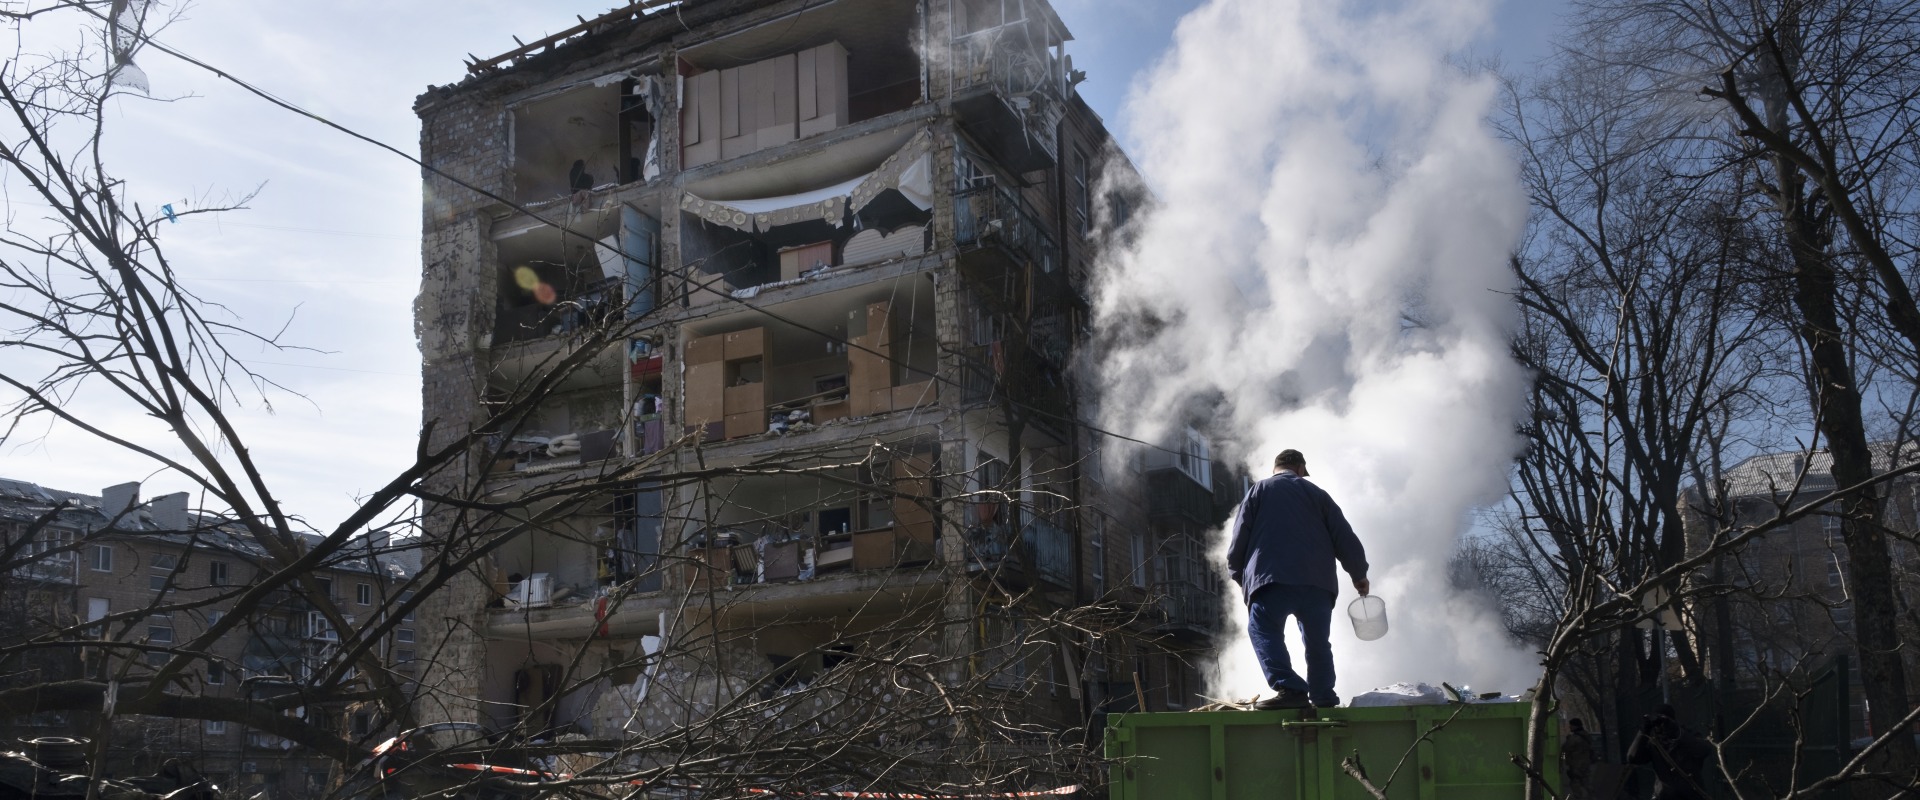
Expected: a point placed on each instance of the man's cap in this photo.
(1290, 457)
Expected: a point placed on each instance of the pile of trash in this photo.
(1423, 694)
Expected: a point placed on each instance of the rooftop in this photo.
(24, 501)
(1778, 473)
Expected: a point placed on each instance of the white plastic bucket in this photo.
(1369, 615)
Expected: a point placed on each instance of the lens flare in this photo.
(525, 278)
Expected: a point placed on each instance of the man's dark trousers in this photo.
(1267, 616)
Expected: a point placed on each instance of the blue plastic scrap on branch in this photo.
(168, 210)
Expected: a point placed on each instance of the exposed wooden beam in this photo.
(617, 15)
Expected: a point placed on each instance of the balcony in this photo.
(1172, 494)
(1188, 606)
(61, 568)
(850, 354)
(1008, 78)
(1042, 551)
(993, 219)
(1186, 590)
(845, 593)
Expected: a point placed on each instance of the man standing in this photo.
(1576, 760)
(1288, 535)
(1675, 754)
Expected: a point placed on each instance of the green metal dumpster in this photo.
(1289, 755)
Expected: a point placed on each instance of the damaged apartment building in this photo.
(848, 247)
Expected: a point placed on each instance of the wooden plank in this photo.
(630, 11)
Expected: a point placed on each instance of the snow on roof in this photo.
(1774, 474)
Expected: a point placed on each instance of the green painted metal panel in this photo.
(1296, 755)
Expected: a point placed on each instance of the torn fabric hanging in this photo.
(909, 170)
(828, 204)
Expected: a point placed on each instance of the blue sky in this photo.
(329, 245)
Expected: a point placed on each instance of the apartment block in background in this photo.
(137, 572)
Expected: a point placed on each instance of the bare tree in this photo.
(1683, 243)
(1813, 104)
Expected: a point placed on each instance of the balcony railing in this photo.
(1189, 605)
(1186, 588)
(1043, 550)
(1008, 59)
(991, 215)
(1013, 67)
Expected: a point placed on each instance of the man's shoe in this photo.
(1282, 699)
(1331, 703)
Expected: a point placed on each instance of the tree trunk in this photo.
(1838, 400)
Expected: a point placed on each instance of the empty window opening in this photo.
(585, 138)
(796, 76)
(551, 282)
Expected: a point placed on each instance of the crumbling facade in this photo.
(847, 248)
(145, 576)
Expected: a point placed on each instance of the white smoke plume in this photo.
(1324, 265)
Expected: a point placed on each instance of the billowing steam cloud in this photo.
(1324, 262)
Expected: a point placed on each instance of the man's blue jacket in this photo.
(1289, 532)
